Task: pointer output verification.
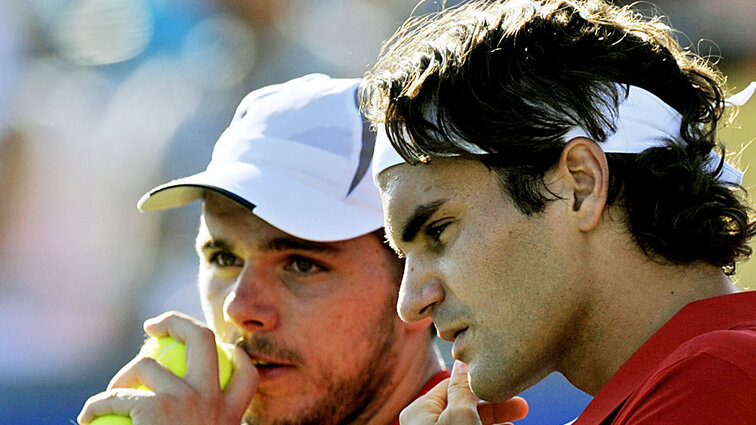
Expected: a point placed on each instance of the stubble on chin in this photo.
(351, 399)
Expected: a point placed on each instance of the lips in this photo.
(262, 363)
(270, 370)
(456, 335)
(276, 365)
(267, 362)
(450, 334)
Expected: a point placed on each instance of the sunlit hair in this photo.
(501, 82)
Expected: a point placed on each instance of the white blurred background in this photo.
(100, 100)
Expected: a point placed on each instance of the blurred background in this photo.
(100, 100)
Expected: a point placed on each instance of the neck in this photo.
(630, 302)
(419, 361)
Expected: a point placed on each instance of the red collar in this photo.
(722, 312)
(440, 376)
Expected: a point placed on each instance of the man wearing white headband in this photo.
(562, 204)
(294, 270)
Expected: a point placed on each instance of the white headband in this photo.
(642, 121)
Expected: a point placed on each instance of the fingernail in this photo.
(460, 366)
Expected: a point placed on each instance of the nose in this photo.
(420, 292)
(252, 304)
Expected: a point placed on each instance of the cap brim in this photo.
(287, 204)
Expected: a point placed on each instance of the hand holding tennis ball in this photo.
(170, 353)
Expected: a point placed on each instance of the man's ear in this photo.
(587, 173)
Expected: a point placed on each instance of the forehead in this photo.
(405, 188)
(222, 215)
(223, 219)
(405, 184)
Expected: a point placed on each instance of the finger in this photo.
(459, 393)
(243, 383)
(118, 401)
(148, 372)
(510, 410)
(116, 382)
(426, 409)
(200, 347)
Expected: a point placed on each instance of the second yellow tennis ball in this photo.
(170, 353)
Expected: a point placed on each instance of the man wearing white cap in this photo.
(294, 270)
(562, 204)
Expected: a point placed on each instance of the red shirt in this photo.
(698, 369)
(440, 376)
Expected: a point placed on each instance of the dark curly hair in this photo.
(510, 78)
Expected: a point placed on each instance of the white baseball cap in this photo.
(298, 155)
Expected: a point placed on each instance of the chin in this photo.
(488, 393)
(490, 386)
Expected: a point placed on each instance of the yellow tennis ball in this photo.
(170, 353)
(111, 420)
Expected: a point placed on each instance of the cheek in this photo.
(490, 272)
(331, 338)
(333, 321)
(344, 324)
(213, 293)
(469, 268)
(350, 343)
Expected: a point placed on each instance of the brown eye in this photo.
(226, 259)
(303, 265)
(435, 231)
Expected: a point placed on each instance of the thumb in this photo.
(243, 383)
(463, 404)
(425, 410)
(459, 392)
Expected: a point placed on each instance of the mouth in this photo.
(274, 364)
(266, 363)
(450, 334)
(263, 364)
(272, 371)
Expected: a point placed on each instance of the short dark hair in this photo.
(512, 77)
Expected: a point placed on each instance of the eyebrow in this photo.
(286, 243)
(276, 244)
(215, 244)
(418, 218)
